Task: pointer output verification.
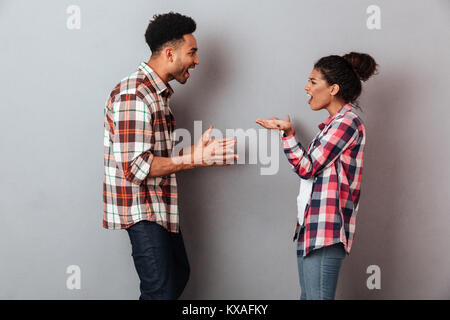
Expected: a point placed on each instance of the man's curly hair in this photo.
(167, 27)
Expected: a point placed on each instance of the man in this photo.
(139, 185)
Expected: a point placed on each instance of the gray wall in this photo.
(255, 57)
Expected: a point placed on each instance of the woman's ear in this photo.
(334, 89)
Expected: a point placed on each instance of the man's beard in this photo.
(180, 75)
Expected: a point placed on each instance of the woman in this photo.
(330, 170)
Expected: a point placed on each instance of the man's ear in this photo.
(168, 53)
(334, 89)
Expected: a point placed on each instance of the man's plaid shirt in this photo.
(138, 125)
(334, 160)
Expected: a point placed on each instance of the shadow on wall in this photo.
(382, 192)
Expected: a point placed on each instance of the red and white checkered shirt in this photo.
(138, 125)
(334, 160)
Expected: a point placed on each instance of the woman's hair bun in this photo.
(363, 64)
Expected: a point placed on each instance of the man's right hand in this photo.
(206, 152)
(212, 152)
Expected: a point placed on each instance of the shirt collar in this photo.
(342, 111)
(155, 80)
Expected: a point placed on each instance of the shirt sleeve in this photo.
(340, 135)
(133, 138)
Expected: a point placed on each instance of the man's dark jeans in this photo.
(160, 260)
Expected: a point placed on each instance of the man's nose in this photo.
(196, 61)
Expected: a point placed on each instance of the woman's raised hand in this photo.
(277, 124)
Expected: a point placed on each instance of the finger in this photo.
(227, 149)
(226, 146)
(288, 119)
(207, 131)
(227, 163)
(224, 150)
(228, 156)
(264, 124)
(224, 159)
(210, 141)
(224, 163)
(268, 123)
(232, 160)
(220, 155)
(226, 143)
(206, 134)
(225, 140)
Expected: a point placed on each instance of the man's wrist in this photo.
(185, 162)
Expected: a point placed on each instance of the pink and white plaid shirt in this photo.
(334, 161)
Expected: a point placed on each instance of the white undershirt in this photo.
(304, 195)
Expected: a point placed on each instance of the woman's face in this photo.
(319, 90)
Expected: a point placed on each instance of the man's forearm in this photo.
(162, 166)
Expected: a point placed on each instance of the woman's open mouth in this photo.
(310, 97)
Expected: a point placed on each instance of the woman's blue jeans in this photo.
(319, 271)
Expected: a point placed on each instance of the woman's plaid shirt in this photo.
(334, 160)
(138, 125)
